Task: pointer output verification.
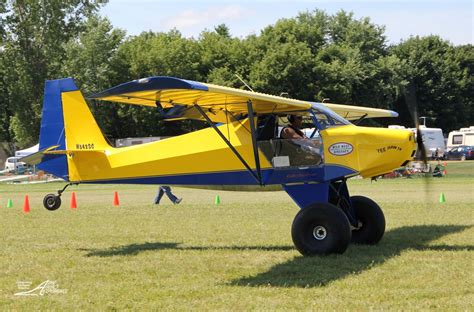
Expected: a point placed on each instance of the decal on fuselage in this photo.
(86, 146)
(341, 149)
(389, 148)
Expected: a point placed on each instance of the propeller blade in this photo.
(410, 99)
(420, 146)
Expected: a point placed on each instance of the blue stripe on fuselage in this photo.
(269, 176)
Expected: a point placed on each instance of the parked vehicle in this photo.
(12, 164)
(463, 136)
(461, 153)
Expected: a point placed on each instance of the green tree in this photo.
(5, 112)
(155, 54)
(465, 56)
(222, 30)
(286, 69)
(3, 11)
(222, 57)
(92, 60)
(316, 56)
(311, 56)
(35, 33)
(431, 64)
(161, 54)
(311, 28)
(362, 35)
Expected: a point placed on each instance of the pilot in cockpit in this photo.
(294, 133)
(293, 130)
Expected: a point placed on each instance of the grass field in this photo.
(238, 255)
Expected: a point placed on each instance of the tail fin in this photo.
(67, 123)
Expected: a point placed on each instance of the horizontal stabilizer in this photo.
(71, 151)
(36, 158)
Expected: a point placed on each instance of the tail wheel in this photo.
(52, 202)
(372, 221)
(321, 229)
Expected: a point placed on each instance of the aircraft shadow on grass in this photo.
(319, 271)
(134, 249)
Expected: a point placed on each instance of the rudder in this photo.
(52, 126)
(81, 129)
(67, 122)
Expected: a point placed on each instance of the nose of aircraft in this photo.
(369, 151)
(383, 150)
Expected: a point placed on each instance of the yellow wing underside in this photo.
(218, 100)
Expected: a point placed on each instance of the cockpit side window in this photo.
(266, 127)
(291, 152)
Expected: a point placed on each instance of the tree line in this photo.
(312, 56)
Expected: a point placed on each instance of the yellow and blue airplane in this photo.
(241, 146)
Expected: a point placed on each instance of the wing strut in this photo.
(236, 153)
(359, 120)
(254, 141)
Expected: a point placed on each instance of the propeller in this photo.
(410, 100)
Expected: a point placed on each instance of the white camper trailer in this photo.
(433, 140)
(463, 136)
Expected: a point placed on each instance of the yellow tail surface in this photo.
(81, 129)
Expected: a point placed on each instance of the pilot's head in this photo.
(295, 120)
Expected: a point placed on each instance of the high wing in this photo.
(177, 98)
(352, 112)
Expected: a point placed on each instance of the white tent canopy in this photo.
(27, 151)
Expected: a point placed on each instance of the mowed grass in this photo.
(238, 255)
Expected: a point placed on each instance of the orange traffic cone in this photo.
(26, 205)
(116, 199)
(73, 200)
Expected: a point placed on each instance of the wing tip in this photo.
(393, 113)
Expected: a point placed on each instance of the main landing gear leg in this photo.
(52, 201)
(365, 216)
(330, 219)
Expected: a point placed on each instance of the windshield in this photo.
(326, 117)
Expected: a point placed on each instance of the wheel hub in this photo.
(319, 232)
